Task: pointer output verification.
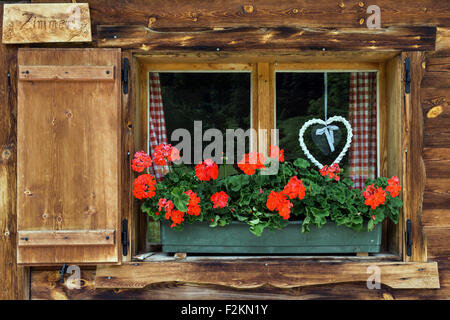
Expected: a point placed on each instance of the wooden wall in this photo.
(198, 15)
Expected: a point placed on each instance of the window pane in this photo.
(300, 97)
(219, 100)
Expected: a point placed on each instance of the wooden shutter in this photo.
(68, 156)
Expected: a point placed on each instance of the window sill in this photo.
(256, 271)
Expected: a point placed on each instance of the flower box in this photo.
(236, 238)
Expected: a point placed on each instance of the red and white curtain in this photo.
(157, 125)
(363, 119)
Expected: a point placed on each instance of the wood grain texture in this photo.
(413, 164)
(66, 73)
(268, 13)
(72, 133)
(443, 39)
(128, 123)
(437, 67)
(247, 274)
(270, 38)
(391, 150)
(265, 104)
(437, 162)
(57, 22)
(14, 279)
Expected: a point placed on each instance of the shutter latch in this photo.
(407, 75)
(125, 70)
(125, 241)
(408, 235)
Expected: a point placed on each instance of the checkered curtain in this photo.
(363, 119)
(157, 124)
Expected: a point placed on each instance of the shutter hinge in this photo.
(408, 235)
(125, 71)
(407, 75)
(125, 241)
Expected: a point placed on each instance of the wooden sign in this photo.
(56, 22)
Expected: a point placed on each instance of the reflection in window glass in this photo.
(300, 97)
(218, 100)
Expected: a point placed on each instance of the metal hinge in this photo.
(125, 71)
(408, 235)
(125, 241)
(407, 75)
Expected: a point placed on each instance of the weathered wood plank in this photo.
(66, 238)
(436, 110)
(391, 136)
(14, 280)
(443, 39)
(437, 67)
(57, 22)
(436, 217)
(251, 38)
(413, 165)
(437, 162)
(46, 285)
(66, 73)
(256, 274)
(439, 240)
(267, 13)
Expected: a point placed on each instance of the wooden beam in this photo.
(443, 39)
(266, 111)
(252, 38)
(253, 274)
(266, 13)
(437, 67)
(66, 238)
(68, 73)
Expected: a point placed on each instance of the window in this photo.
(394, 110)
(267, 96)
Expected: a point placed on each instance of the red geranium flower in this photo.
(374, 196)
(177, 217)
(164, 153)
(167, 205)
(278, 201)
(331, 171)
(207, 170)
(194, 203)
(219, 199)
(252, 161)
(144, 186)
(141, 161)
(393, 186)
(277, 153)
(294, 188)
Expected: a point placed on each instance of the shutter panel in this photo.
(68, 156)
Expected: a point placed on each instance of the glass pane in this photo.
(300, 97)
(219, 100)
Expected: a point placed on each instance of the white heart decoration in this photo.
(320, 121)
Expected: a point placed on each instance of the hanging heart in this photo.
(325, 123)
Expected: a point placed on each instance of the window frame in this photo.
(263, 99)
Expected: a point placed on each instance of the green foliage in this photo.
(325, 201)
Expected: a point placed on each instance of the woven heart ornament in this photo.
(326, 123)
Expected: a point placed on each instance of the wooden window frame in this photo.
(398, 127)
